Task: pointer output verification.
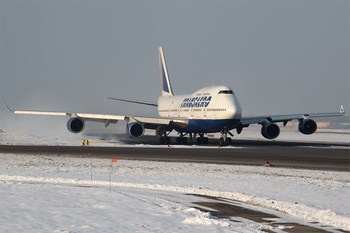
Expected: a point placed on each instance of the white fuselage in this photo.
(214, 107)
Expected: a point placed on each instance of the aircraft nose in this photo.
(234, 111)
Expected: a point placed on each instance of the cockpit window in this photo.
(226, 92)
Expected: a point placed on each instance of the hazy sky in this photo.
(279, 57)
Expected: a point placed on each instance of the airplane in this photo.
(209, 110)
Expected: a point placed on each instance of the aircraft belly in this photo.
(208, 126)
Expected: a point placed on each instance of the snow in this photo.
(56, 193)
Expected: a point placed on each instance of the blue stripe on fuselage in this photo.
(208, 126)
(164, 81)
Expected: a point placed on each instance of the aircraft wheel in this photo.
(167, 141)
(205, 140)
(228, 141)
(184, 140)
(199, 140)
(178, 140)
(161, 140)
(221, 143)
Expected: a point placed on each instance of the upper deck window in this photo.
(226, 92)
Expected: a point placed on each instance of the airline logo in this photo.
(164, 78)
(164, 81)
(196, 102)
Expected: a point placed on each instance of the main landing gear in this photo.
(164, 140)
(201, 139)
(182, 140)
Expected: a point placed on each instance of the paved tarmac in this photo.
(279, 154)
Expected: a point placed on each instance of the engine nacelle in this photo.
(270, 131)
(307, 126)
(135, 130)
(75, 125)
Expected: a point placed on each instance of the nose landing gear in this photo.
(224, 140)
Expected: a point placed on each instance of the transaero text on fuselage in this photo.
(196, 102)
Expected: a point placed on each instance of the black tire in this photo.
(205, 140)
(184, 140)
(161, 140)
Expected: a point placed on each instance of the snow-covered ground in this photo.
(56, 193)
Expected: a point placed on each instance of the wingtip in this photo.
(7, 107)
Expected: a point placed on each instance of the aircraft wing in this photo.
(134, 101)
(150, 122)
(246, 121)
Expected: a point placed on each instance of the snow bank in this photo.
(310, 214)
(305, 194)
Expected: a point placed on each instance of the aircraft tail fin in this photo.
(165, 84)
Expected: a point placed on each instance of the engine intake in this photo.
(307, 126)
(270, 131)
(75, 125)
(135, 130)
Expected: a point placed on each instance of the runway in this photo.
(257, 153)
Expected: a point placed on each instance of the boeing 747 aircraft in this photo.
(208, 110)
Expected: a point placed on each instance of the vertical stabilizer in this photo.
(164, 78)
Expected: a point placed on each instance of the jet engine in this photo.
(307, 126)
(270, 130)
(135, 130)
(75, 125)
